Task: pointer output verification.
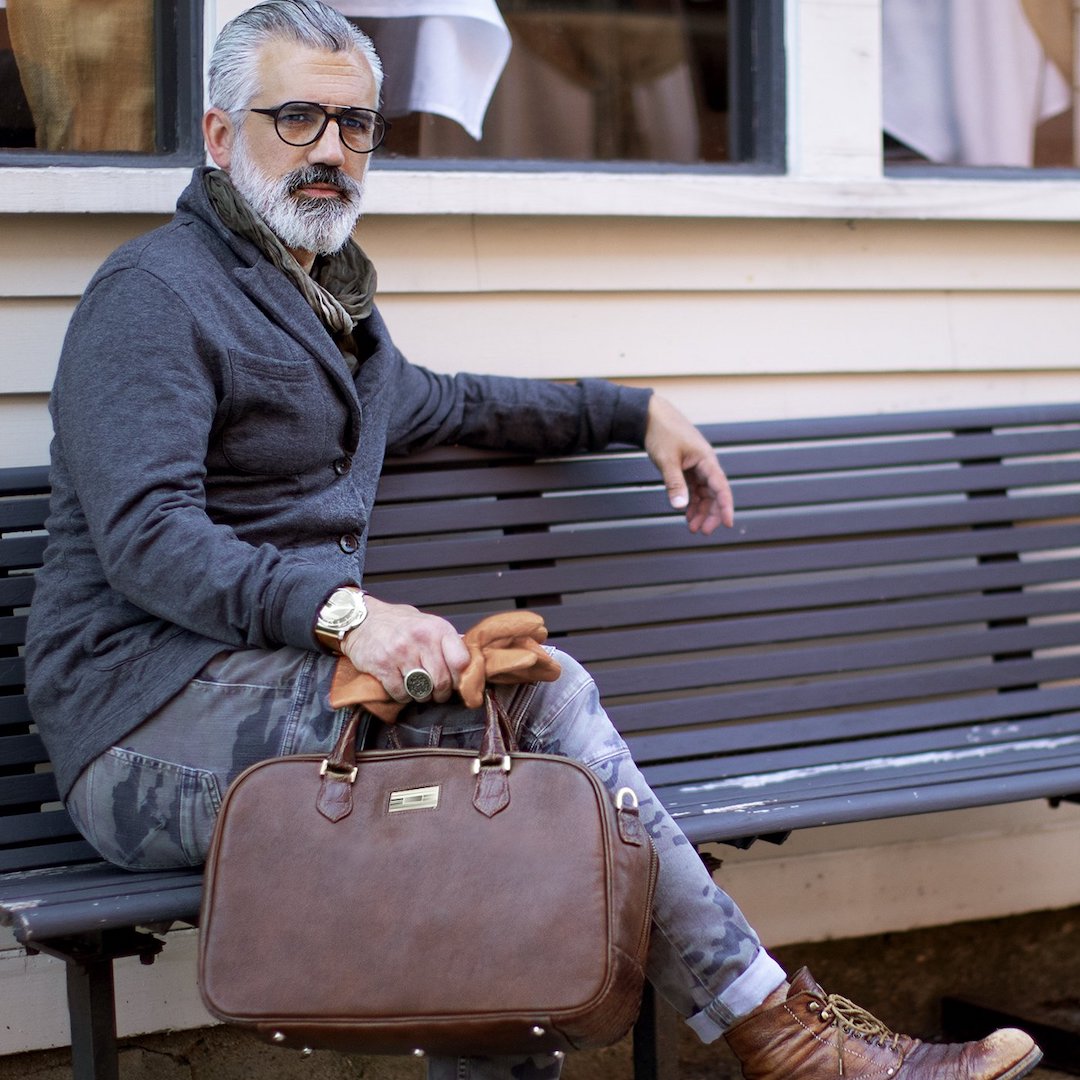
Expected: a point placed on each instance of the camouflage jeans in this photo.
(151, 803)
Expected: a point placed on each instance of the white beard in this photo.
(320, 226)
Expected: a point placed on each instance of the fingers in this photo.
(711, 502)
(694, 480)
(701, 488)
(396, 639)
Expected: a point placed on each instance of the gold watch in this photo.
(345, 610)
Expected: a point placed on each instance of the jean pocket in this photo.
(143, 813)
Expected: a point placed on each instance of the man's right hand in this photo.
(395, 638)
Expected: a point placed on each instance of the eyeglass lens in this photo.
(300, 123)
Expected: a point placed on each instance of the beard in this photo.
(321, 226)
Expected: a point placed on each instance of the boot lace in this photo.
(851, 1019)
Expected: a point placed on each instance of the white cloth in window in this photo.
(966, 82)
(440, 56)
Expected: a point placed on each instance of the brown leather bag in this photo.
(427, 901)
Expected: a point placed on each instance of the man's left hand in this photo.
(693, 477)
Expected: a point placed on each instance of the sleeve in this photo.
(135, 402)
(498, 412)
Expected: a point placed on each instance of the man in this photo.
(225, 398)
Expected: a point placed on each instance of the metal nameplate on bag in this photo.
(422, 798)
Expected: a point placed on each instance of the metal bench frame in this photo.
(891, 628)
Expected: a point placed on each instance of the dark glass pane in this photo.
(593, 81)
(80, 78)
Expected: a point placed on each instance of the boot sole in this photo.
(1023, 1066)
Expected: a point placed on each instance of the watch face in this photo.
(344, 609)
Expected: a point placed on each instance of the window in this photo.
(684, 82)
(84, 83)
(984, 83)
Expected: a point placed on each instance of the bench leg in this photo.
(92, 1008)
(656, 1052)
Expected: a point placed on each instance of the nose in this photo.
(328, 149)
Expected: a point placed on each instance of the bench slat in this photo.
(943, 529)
(712, 599)
(25, 480)
(15, 591)
(703, 563)
(478, 513)
(12, 629)
(475, 513)
(21, 750)
(12, 671)
(819, 696)
(23, 513)
(685, 783)
(104, 897)
(919, 797)
(21, 829)
(909, 655)
(41, 857)
(21, 552)
(876, 453)
(28, 788)
(409, 481)
(669, 756)
(876, 424)
(770, 629)
(857, 776)
(14, 711)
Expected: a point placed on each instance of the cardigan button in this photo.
(349, 543)
(343, 465)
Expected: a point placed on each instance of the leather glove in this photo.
(504, 649)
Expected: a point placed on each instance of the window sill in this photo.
(397, 191)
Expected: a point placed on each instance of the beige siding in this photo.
(732, 318)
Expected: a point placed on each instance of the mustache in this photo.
(322, 174)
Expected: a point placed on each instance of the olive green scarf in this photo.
(340, 287)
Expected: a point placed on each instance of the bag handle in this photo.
(491, 767)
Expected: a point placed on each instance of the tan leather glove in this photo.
(503, 649)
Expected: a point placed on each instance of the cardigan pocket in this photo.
(284, 417)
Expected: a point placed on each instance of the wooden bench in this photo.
(891, 628)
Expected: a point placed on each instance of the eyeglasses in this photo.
(300, 123)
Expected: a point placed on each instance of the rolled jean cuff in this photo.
(744, 995)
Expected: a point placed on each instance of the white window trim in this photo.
(834, 160)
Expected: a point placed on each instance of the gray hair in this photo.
(233, 82)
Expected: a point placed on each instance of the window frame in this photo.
(759, 139)
(832, 148)
(177, 67)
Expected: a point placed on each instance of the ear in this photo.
(219, 133)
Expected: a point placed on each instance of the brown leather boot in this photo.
(813, 1035)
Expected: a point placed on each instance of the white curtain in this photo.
(967, 82)
(440, 56)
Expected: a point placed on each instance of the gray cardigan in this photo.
(203, 497)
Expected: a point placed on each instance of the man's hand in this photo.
(395, 638)
(692, 475)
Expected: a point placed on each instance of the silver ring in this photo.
(419, 685)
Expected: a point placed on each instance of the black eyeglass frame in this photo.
(338, 112)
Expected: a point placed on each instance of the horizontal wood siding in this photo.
(731, 318)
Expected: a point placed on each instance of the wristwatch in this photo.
(345, 610)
